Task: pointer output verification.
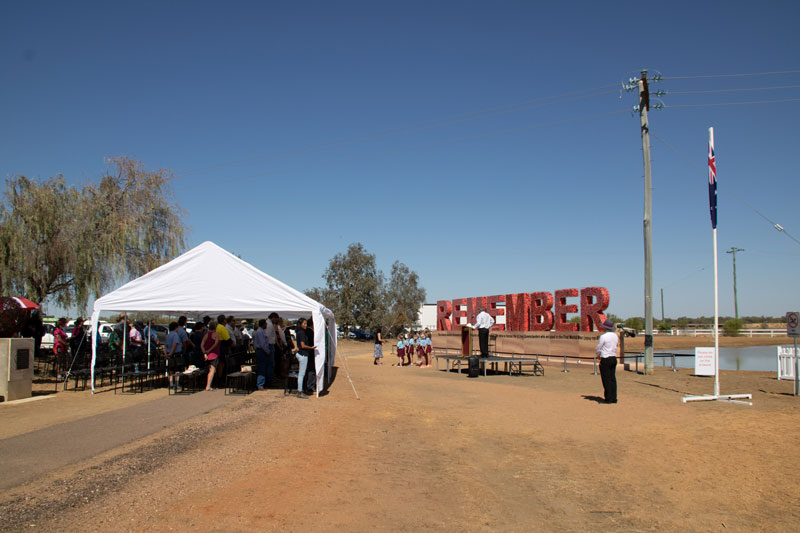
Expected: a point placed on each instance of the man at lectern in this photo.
(483, 322)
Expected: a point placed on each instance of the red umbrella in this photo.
(24, 303)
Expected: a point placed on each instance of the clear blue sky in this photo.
(484, 144)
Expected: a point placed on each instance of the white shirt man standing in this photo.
(483, 323)
(606, 351)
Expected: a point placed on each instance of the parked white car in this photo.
(103, 328)
(47, 339)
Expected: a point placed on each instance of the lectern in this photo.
(466, 341)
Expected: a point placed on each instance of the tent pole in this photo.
(347, 371)
(124, 346)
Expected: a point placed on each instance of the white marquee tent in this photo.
(208, 280)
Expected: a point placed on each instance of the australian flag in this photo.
(712, 181)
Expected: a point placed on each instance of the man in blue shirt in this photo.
(174, 350)
(263, 359)
(188, 345)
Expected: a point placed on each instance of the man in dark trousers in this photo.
(264, 358)
(483, 323)
(606, 351)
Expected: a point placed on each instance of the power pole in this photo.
(644, 106)
(733, 251)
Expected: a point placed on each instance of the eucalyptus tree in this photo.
(359, 295)
(405, 296)
(355, 288)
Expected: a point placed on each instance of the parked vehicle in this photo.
(103, 329)
(47, 339)
(161, 332)
(360, 335)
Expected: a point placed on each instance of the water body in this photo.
(742, 358)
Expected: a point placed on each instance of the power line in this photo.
(433, 143)
(735, 90)
(687, 276)
(759, 213)
(719, 104)
(524, 105)
(732, 75)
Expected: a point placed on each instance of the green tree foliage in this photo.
(405, 296)
(355, 288)
(635, 322)
(359, 295)
(664, 325)
(67, 243)
(732, 326)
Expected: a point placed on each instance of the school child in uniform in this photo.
(418, 348)
(410, 348)
(427, 347)
(401, 351)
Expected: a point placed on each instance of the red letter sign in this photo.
(458, 313)
(562, 308)
(541, 314)
(594, 300)
(494, 312)
(518, 311)
(443, 311)
(474, 307)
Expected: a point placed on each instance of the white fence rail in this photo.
(710, 331)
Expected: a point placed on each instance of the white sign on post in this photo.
(704, 361)
(793, 324)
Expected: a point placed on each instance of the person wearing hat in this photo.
(606, 351)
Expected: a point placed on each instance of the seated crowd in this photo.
(219, 346)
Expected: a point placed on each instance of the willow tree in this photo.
(67, 243)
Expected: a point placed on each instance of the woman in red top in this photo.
(210, 346)
(60, 344)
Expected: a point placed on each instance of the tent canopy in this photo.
(208, 280)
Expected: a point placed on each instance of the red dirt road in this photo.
(426, 449)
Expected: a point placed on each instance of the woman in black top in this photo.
(305, 350)
(198, 332)
(377, 353)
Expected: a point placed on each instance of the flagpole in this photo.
(716, 287)
(716, 315)
(712, 198)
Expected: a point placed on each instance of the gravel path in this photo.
(27, 456)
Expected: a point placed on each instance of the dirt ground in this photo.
(427, 449)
